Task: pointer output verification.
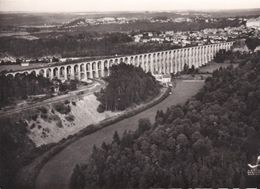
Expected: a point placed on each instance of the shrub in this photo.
(144, 124)
(59, 124)
(70, 117)
(66, 102)
(101, 108)
(62, 108)
(34, 117)
(44, 116)
(43, 109)
(32, 126)
(53, 118)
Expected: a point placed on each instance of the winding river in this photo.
(56, 172)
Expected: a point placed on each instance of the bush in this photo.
(32, 126)
(100, 108)
(70, 118)
(43, 109)
(44, 116)
(34, 117)
(59, 124)
(144, 124)
(62, 108)
(66, 102)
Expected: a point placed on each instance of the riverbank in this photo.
(26, 178)
(57, 171)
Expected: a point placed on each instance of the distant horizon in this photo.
(93, 6)
(137, 11)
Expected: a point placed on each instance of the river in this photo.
(57, 171)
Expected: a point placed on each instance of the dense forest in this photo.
(24, 85)
(15, 150)
(65, 44)
(21, 86)
(75, 45)
(252, 43)
(207, 142)
(127, 85)
(81, 44)
(223, 55)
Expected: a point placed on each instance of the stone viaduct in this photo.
(163, 62)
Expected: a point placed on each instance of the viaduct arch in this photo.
(163, 62)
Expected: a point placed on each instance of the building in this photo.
(253, 23)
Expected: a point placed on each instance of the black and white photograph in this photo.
(129, 94)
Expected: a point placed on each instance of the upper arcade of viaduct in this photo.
(163, 62)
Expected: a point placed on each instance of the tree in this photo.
(143, 125)
(182, 140)
(116, 138)
(206, 142)
(77, 180)
(127, 85)
(221, 56)
(202, 147)
(21, 86)
(252, 43)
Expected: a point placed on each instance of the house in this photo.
(23, 64)
(253, 23)
(164, 79)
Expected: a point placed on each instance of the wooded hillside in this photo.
(127, 85)
(208, 142)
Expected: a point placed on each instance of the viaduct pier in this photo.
(162, 62)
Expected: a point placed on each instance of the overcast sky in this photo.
(123, 5)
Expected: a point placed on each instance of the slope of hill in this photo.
(208, 142)
(75, 22)
(53, 126)
(25, 135)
